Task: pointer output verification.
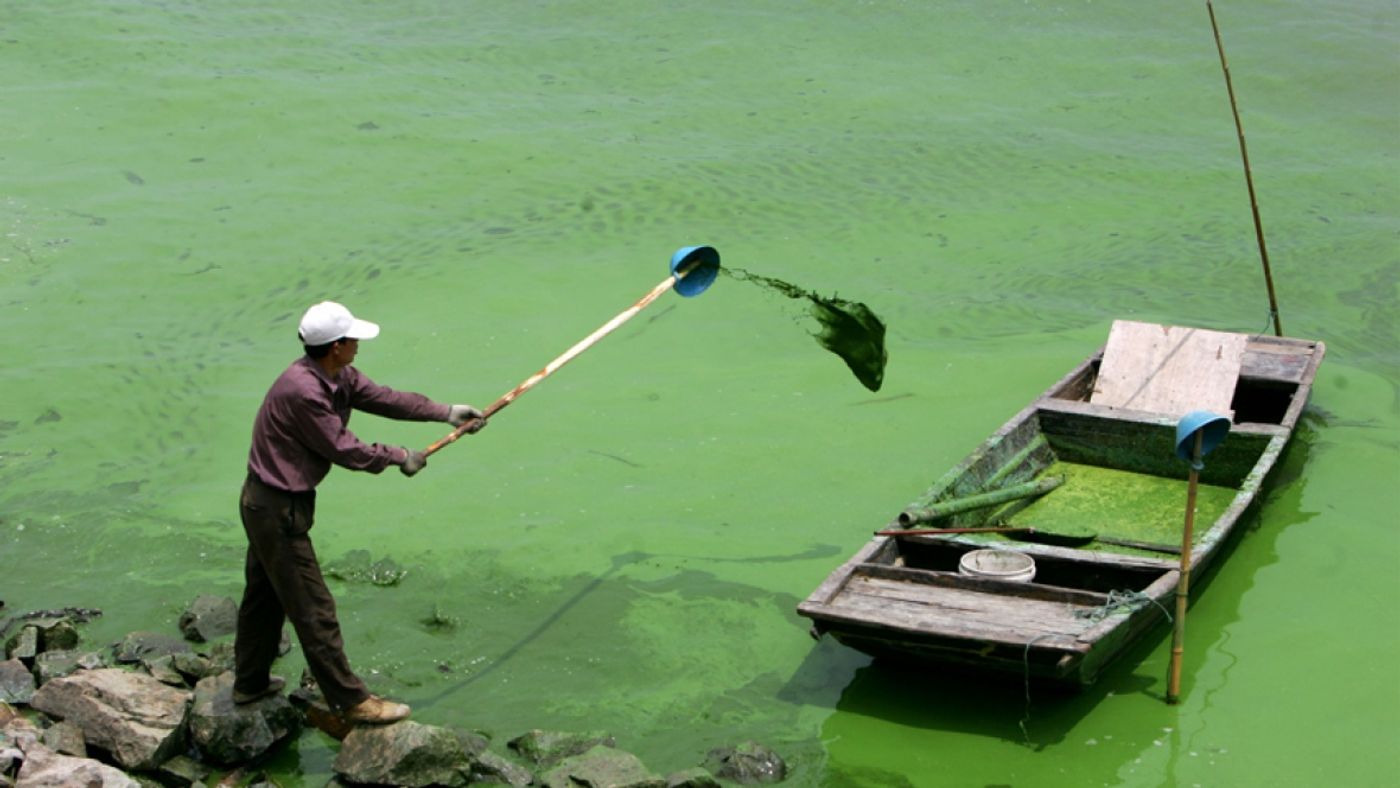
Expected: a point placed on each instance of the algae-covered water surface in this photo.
(624, 548)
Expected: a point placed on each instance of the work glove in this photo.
(464, 414)
(413, 462)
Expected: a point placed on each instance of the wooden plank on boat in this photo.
(1169, 369)
(960, 612)
(983, 585)
(1278, 359)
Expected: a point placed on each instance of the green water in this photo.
(623, 547)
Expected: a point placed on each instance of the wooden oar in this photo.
(699, 263)
(941, 531)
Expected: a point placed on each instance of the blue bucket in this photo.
(699, 279)
(1216, 428)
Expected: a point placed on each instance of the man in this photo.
(300, 431)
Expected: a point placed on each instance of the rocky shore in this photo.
(154, 709)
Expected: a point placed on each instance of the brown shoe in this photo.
(274, 686)
(374, 710)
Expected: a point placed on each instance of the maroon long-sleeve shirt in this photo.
(301, 428)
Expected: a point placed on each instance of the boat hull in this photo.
(903, 596)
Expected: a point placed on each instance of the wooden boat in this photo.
(1102, 440)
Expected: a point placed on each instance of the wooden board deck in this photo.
(949, 605)
(1169, 369)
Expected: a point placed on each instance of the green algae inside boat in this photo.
(1104, 530)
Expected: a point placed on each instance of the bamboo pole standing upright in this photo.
(1183, 584)
(1248, 177)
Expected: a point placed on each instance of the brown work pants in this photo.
(284, 582)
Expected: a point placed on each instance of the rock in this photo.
(52, 665)
(748, 763)
(16, 735)
(162, 669)
(65, 738)
(146, 645)
(10, 755)
(136, 719)
(44, 767)
(405, 754)
(493, 768)
(194, 666)
(320, 716)
(24, 645)
(227, 733)
(7, 713)
(10, 758)
(317, 713)
(181, 771)
(209, 617)
(692, 778)
(221, 658)
(602, 766)
(544, 748)
(20, 734)
(16, 682)
(56, 634)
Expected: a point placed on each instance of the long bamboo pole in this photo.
(1248, 177)
(1183, 583)
(564, 358)
(934, 511)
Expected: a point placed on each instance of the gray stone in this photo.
(44, 768)
(65, 738)
(51, 665)
(493, 768)
(146, 645)
(748, 763)
(209, 617)
(194, 666)
(136, 719)
(227, 733)
(544, 748)
(93, 660)
(221, 658)
(601, 766)
(181, 771)
(16, 682)
(692, 778)
(56, 634)
(10, 758)
(23, 645)
(162, 669)
(20, 734)
(405, 754)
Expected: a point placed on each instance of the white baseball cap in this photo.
(328, 321)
